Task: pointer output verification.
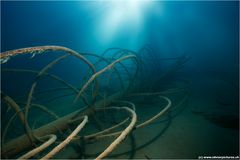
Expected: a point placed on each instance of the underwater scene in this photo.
(119, 79)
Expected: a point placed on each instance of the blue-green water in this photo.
(187, 50)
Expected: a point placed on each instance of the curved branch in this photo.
(163, 111)
(100, 72)
(52, 139)
(67, 140)
(122, 136)
(12, 118)
(14, 105)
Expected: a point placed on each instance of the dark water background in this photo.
(205, 31)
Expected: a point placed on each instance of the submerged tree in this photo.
(111, 83)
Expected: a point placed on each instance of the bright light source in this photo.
(122, 15)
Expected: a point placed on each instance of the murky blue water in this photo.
(185, 48)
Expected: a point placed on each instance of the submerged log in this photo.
(21, 143)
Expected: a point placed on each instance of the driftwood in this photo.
(123, 134)
(67, 140)
(52, 139)
(21, 143)
(27, 141)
